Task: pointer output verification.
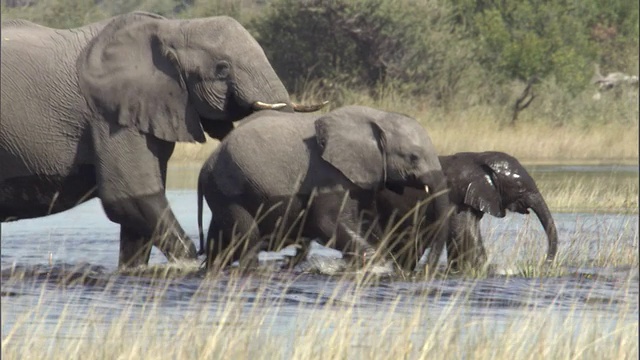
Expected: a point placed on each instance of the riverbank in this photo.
(531, 143)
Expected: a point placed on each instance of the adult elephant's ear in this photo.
(131, 78)
(353, 146)
(482, 193)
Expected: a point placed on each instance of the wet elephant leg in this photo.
(130, 174)
(233, 236)
(479, 260)
(135, 249)
(169, 235)
(341, 227)
(144, 221)
(465, 249)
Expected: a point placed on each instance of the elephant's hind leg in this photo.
(233, 235)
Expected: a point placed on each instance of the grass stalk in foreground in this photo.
(253, 317)
(342, 328)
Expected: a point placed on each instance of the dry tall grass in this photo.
(607, 193)
(528, 142)
(337, 329)
(239, 317)
(603, 193)
(540, 143)
(586, 135)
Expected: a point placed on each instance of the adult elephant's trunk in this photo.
(538, 205)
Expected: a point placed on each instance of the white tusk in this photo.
(309, 108)
(426, 188)
(264, 106)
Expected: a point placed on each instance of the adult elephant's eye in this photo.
(222, 70)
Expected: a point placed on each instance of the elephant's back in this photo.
(269, 154)
(43, 113)
(36, 43)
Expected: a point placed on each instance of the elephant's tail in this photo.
(200, 231)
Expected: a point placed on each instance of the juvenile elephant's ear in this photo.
(128, 76)
(353, 146)
(482, 194)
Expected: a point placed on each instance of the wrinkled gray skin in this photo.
(486, 182)
(96, 111)
(276, 161)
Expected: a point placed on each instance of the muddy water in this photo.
(68, 264)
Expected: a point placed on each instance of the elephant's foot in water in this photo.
(147, 221)
(302, 251)
(473, 260)
(135, 249)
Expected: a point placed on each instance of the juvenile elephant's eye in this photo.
(414, 158)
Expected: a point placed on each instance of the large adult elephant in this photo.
(485, 182)
(279, 178)
(96, 111)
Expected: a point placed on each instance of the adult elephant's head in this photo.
(377, 150)
(175, 78)
(493, 182)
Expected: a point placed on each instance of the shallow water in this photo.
(68, 264)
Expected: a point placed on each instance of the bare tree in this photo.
(524, 100)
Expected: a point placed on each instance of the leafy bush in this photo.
(365, 44)
(61, 14)
(453, 54)
(520, 39)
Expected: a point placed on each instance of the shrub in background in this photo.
(366, 44)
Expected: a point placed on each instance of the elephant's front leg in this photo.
(135, 249)
(337, 218)
(130, 169)
(465, 248)
(146, 221)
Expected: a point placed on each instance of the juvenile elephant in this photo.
(486, 182)
(96, 111)
(316, 177)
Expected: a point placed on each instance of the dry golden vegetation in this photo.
(240, 316)
(537, 136)
(532, 142)
(529, 142)
(218, 320)
(333, 333)
(337, 328)
(608, 193)
(471, 115)
(584, 244)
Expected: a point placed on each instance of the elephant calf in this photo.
(280, 177)
(486, 182)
